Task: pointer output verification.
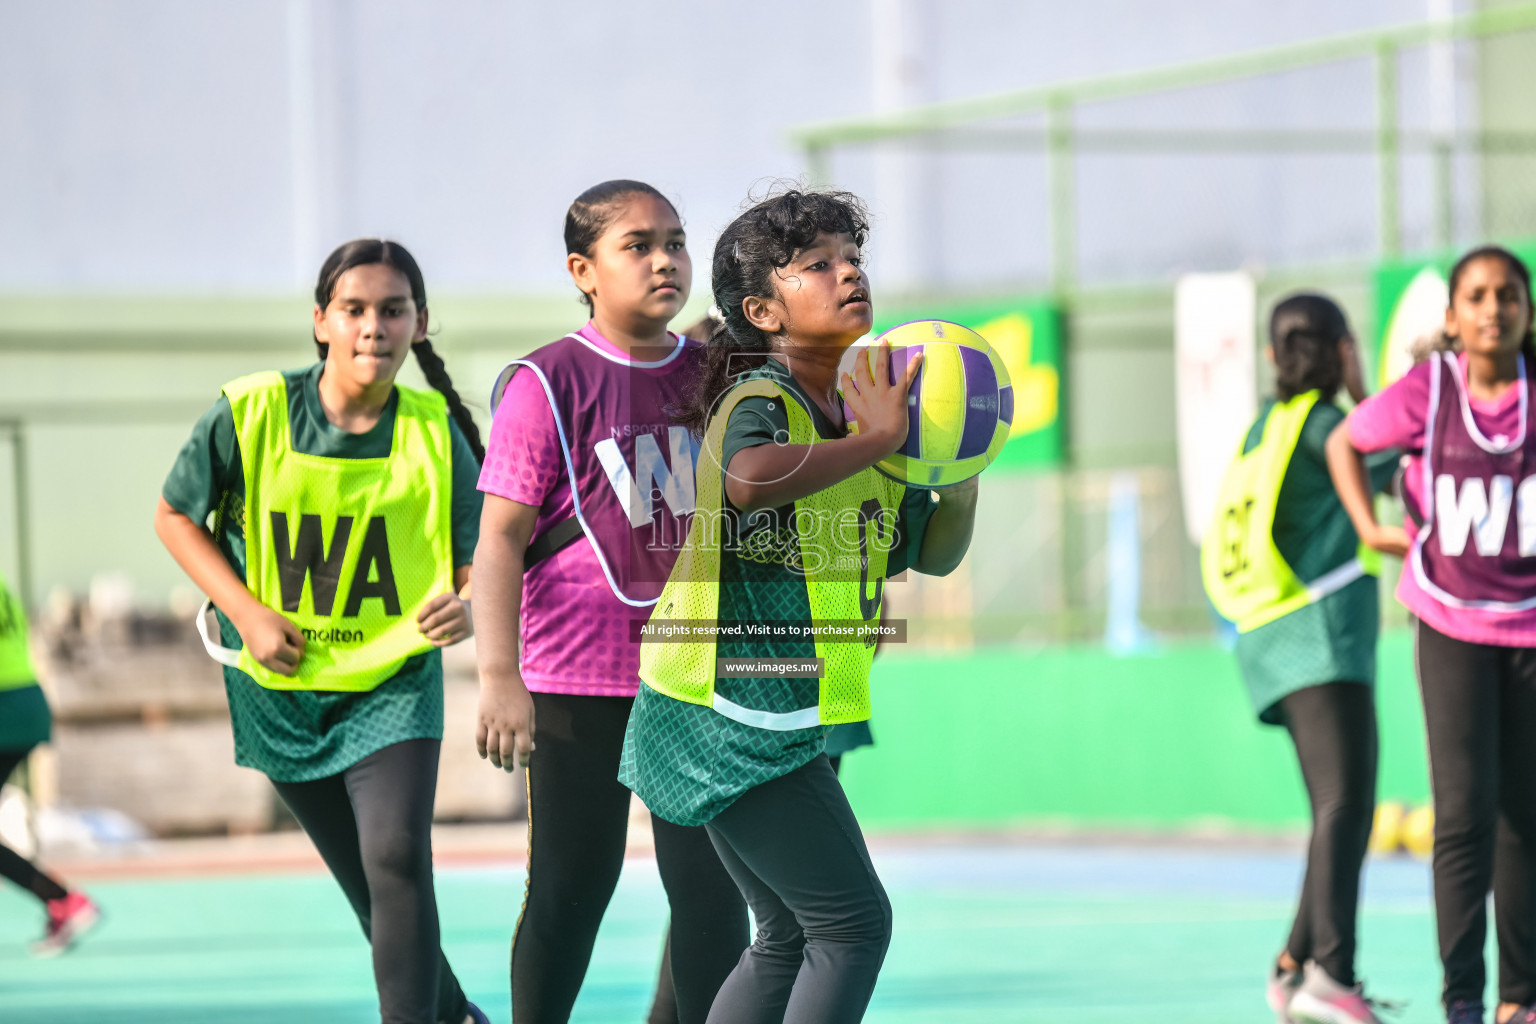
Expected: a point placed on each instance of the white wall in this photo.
(151, 145)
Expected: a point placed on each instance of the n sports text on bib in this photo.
(630, 468)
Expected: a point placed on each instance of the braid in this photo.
(436, 373)
(724, 359)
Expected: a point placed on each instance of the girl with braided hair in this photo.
(344, 516)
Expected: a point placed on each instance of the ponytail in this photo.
(1304, 333)
(724, 359)
(432, 368)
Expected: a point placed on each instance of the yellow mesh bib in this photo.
(348, 549)
(1245, 576)
(16, 668)
(844, 533)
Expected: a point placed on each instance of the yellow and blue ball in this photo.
(960, 407)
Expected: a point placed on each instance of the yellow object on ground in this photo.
(1387, 830)
(1419, 831)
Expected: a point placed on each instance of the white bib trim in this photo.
(211, 642)
(781, 721)
(570, 469)
(1416, 549)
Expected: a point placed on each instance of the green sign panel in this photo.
(1027, 334)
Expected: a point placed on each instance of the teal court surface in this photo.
(984, 933)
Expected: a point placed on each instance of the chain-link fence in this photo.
(1354, 147)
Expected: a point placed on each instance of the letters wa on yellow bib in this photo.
(1245, 576)
(16, 668)
(844, 534)
(348, 549)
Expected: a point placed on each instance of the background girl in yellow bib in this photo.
(792, 524)
(344, 517)
(25, 721)
(1282, 560)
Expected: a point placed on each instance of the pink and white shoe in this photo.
(1279, 992)
(69, 919)
(1321, 1000)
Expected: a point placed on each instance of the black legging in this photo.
(373, 826)
(664, 1004)
(1480, 715)
(578, 817)
(823, 919)
(1334, 729)
(12, 864)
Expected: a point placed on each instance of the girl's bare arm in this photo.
(1353, 485)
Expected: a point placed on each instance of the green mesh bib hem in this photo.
(294, 736)
(303, 735)
(1330, 641)
(25, 720)
(693, 762)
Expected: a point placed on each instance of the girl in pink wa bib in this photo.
(587, 482)
(1470, 582)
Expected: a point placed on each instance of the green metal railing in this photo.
(960, 124)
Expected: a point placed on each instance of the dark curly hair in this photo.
(756, 245)
(363, 252)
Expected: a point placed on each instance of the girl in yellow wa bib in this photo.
(344, 517)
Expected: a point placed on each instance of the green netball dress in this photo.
(25, 720)
(687, 761)
(1332, 639)
(297, 735)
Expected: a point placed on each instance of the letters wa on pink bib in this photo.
(634, 483)
(1471, 479)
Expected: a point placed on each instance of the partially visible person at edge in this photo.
(1470, 583)
(586, 489)
(778, 473)
(25, 722)
(344, 522)
(1283, 558)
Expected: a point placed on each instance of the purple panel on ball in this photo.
(980, 403)
(913, 448)
(1005, 404)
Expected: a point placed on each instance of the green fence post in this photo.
(817, 166)
(1387, 153)
(1061, 171)
(1445, 196)
(23, 511)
